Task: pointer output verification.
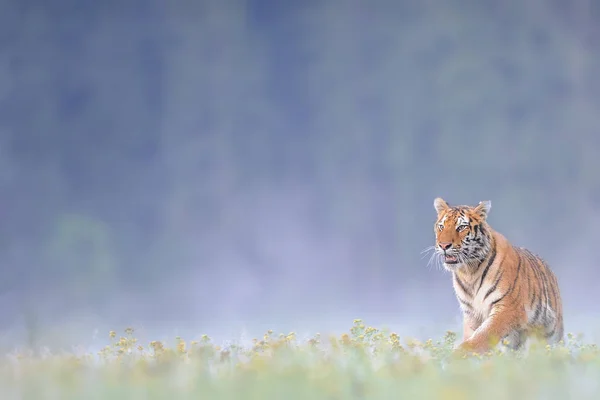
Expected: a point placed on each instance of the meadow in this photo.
(363, 363)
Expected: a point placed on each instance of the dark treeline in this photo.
(214, 158)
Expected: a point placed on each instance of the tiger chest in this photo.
(475, 297)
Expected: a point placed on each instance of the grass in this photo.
(364, 363)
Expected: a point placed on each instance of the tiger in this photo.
(506, 293)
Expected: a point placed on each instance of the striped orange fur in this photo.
(505, 292)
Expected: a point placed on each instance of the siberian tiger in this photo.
(505, 292)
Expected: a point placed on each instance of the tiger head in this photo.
(462, 235)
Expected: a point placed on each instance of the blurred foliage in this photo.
(154, 140)
(364, 362)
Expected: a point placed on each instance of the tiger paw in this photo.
(464, 350)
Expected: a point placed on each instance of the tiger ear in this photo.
(440, 205)
(483, 208)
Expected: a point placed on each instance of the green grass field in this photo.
(364, 363)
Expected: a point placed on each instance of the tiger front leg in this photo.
(499, 324)
(469, 326)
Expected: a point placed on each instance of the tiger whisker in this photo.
(428, 248)
(430, 259)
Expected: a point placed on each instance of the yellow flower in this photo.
(181, 346)
(345, 338)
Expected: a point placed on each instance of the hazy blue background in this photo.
(214, 166)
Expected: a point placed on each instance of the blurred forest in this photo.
(217, 159)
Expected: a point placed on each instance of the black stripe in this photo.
(538, 279)
(517, 297)
(546, 303)
(505, 294)
(462, 285)
(464, 302)
(498, 272)
(536, 314)
(545, 284)
(518, 271)
(553, 286)
(487, 268)
(512, 287)
(493, 288)
(538, 274)
(498, 299)
(528, 273)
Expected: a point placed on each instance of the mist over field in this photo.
(227, 167)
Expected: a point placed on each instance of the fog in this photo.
(227, 167)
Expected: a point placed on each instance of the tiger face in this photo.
(461, 234)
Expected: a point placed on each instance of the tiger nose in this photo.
(445, 245)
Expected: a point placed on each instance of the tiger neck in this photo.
(475, 267)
